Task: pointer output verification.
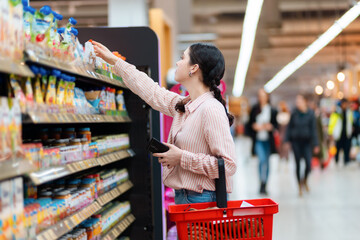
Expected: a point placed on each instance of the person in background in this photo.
(261, 125)
(283, 118)
(302, 135)
(341, 129)
(313, 105)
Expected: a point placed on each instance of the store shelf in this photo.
(53, 173)
(57, 118)
(11, 168)
(69, 223)
(8, 66)
(75, 70)
(119, 228)
(116, 192)
(114, 157)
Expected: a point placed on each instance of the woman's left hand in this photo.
(170, 158)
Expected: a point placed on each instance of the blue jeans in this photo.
(184, 196)
(263, 151)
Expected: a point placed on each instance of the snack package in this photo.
(44, 81)
(16, 37)
(5, 28)
(50, 97)
(89, 54)
(29, 94)
(103, 101)
(28, 18)
(16, 129)
(54, 39)
(70, 87)
(60, 93)
(5, 140)
(18, 92)
(38, 95)
(41, 24)
(6, 208)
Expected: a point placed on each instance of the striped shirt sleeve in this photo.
(221, 144)
(139, 83)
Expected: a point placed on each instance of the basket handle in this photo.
(220, 185)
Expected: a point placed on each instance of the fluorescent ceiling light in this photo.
(197, 37)
(253, 10)
(313, 48)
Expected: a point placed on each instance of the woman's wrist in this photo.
(113, 60)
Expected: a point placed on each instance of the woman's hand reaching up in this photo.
(104, 53)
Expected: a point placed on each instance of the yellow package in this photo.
(70, 88)
(60, 93)
(51, 91)
(39, 99)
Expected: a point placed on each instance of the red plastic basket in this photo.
(199, 221)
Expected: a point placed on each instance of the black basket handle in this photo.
(220, 185)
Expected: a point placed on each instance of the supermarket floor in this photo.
(329, 211)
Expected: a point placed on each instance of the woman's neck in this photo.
(196, 90)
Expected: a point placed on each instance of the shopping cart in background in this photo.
(245, 219)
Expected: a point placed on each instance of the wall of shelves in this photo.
(144, 188)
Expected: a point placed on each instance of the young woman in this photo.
(261, 124)
(302, 135)
(200, 131)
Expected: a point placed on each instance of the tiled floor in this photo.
(331, 210)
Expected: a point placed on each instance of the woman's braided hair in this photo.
(212, 65)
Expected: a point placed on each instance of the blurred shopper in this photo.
(302, 135)
(283, 118)
(313, 105)
(341, 129)
(261, 125)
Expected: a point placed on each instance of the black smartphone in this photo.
(155, 146)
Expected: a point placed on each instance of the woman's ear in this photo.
(194, 68)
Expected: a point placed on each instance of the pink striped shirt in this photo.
(202, 132)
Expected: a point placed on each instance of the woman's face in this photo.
(183, 67)
(263, 97)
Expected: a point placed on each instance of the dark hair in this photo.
(212, 65)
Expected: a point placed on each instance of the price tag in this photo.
(67, 224)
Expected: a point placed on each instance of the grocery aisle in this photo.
(329, 211)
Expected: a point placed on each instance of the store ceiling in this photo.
(286, 27)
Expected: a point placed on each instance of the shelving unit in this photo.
(53, 173)
(9, 67)
(53, 118)
(119, 228)
(69, 223)
(144, 188)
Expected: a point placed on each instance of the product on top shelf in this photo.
(28, 19)
(4, 28)
(16, 37)
(41, 24)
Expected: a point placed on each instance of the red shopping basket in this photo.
(205, 221)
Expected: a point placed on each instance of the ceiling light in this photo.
(330, 85)
(340, 95)
(340, 76)
(314, 48)
(252, 14)
(319, 90)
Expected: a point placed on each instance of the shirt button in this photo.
(199, 187)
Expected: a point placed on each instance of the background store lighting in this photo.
(340, 76)
(319, 90)
(330, 85)
(340, 95)
(252, 14)
(314, 48)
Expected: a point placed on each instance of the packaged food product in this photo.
(84, 133)
(69, 133)
(75, 142)
(120, 101)
(41, 24)
(56, 133)
(5, 139)
(38, 95)
(16, 129)
(60, 94)
(54, 39)
(51, 88)
(18, 92)
(4, 28)
(69, 97)
(44, 80)
(16, 37)
(103, 101)
(28, 18)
